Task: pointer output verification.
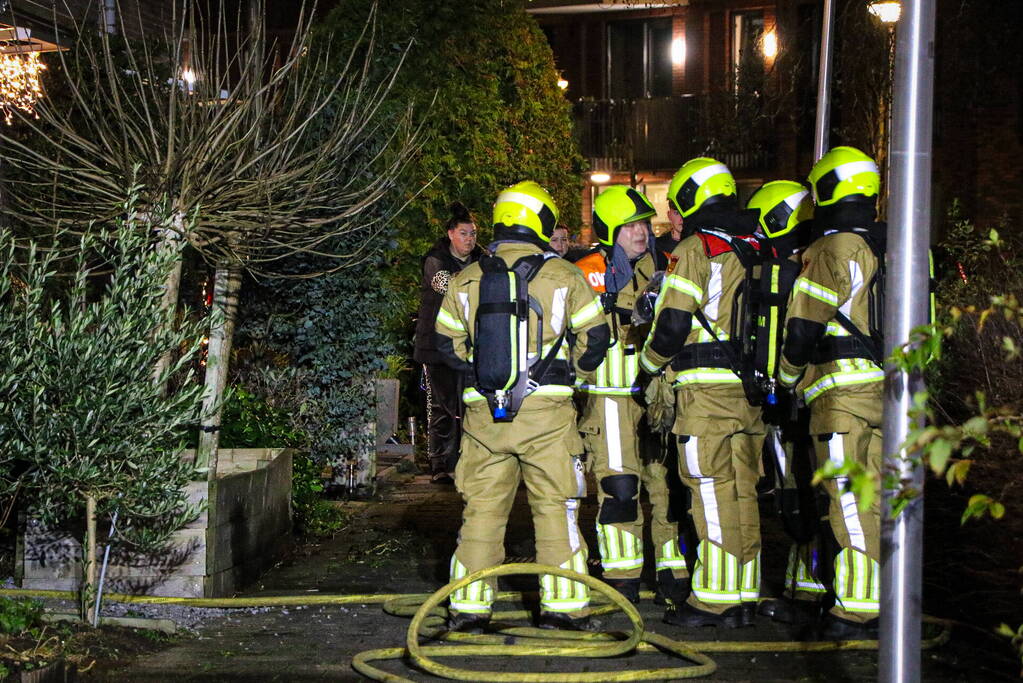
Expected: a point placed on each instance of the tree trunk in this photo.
(89, 570)
(227, 283)
(171, 288)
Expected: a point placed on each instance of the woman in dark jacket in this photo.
(448, 256)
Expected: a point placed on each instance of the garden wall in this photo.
(241, 534)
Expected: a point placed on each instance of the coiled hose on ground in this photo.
(428, 622)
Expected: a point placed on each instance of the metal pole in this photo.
(823, 123)
(906, 306)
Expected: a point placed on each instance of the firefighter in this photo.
(785, 212)
(618, 444)
(541, 444)
(719, 433)
(832, 353)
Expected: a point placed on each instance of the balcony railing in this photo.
(661, 133)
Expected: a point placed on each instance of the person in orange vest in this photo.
(620, 447)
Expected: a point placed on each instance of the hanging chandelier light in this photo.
(19, 83)
(20, 70)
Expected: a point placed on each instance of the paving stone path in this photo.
(401, 543)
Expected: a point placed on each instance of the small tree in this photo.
(84, 425)
(272, 150)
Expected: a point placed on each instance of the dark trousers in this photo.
(443, 415)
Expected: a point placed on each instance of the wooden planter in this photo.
(245, 528)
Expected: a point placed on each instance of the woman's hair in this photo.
(459, 214)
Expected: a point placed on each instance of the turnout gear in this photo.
(527, 209)
(836, 366)
(785, 212)
(700, 183)
(719, 433)
(615, 435)
(542, 447)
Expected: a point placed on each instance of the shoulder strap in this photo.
(527, 268)
(873, 344)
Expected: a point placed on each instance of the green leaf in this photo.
(938, 455)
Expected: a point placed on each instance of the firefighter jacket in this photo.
(706, 277)
(567, 302)
(837, 271)
(616, 375)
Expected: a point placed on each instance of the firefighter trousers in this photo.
(720, 437)
(840, 436)
(618, 450)
(542, 448)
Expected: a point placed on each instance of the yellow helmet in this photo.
(843, 172)
(782, 205)
(527, 206)
(700, 182)
(616, 206)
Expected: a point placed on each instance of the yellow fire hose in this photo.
(428, 621)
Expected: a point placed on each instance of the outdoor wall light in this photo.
(188, 76)
(888, 12)
(562, 83)
(770, 46)
(678, 51)
(599, 177)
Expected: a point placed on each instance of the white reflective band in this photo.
(819, 292)
(572, 520)
(463, 297)
(856, 284)
(531, 203)
(558, 309)
(475, 607)
(671, 563)
(685, 286)
(614, 437)
(714, 289)
(586, 313)
(708, 376)
(848, 170)
(794, 199)
(839, 379)
(847, 499)
(647, 364)
(449, 321)
(608, 391)
(564, 605)
(786, 378)
(705, 174)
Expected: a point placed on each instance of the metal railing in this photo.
(660, 133)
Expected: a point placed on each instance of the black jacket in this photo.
(431, 293)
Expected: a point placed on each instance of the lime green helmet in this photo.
(843, 172)
(616, 206)
(700, 182)
(782, 204)
(524, 207)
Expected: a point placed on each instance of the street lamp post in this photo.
(906, 306)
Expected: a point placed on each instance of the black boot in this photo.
(559, 620)
(627, 587)
(749, 614)
(788, 611)
(468, 622)
(836, 628)
(671, 590)
(687, 615)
